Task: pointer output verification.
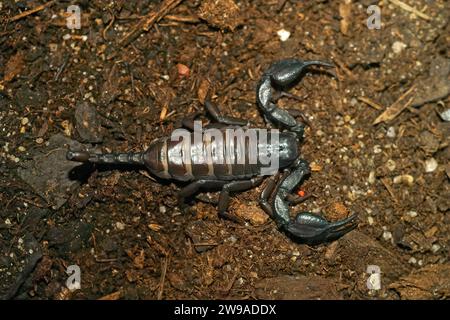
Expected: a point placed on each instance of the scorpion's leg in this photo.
(266, 194)
(194, 187)
(279, 76)
(214, 111)
(294, 199)
(306, 227)
(234, 186)
(270, 189)
(188, 121)
(277, 95)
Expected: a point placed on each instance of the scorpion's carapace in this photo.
(198, 161)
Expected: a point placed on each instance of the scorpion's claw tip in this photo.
(312, 229)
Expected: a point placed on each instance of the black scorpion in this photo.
(170, 159)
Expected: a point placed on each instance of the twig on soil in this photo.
(205, 244)
(112, 296)
(388, 187)
(163, 276)
(408, 8)
(113, 19)
(342, 65)
(61, 68)
(183, 19)
(370, 103)
(149, 20)
(281, 4)
(396, 108)
(31, 11)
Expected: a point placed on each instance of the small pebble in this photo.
(430, 165)
(387, 235)
(398, 47)
(370, 220)
(390, 164)
(21, 148)
(283, 34)
(24, 121)
(39, 140)
(390, 133)
(162, 209)
(445, 115)
(183, 70)
(435, 248)
(377, 149)
(405, 179)
(295, 253)
(412, 260)
(411, 214)
(120, 226)
(371, 179)
(232, 239)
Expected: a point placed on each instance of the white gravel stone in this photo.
(371, 178)
(430, 165)
(435, 248)
(445, 115)
(120, 225)
(387, 235)
(411, 214)
(398, 47)
(283, 34)
(405, 179)
(377, 149)
(391, 165)
(390, 133)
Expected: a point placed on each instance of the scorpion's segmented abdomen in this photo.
(230, 153)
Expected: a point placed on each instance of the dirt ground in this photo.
(378, 147)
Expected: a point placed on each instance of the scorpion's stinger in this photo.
(106, 158)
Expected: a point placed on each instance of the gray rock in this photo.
(48, 172)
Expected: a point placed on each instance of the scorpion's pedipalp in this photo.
(313, 229)
(286, 73)
(281, 75)
(307, 227)
(215, 113)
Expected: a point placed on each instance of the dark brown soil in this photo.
(124, 229)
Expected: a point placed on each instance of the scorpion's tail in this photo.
(106, 158)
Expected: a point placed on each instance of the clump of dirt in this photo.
(378, 144)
